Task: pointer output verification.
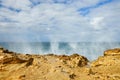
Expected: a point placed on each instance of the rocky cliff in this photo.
(14, 66)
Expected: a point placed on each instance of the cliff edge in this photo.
(14, 66)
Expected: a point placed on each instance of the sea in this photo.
(91, 50)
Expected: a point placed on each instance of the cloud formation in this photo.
(59, 20)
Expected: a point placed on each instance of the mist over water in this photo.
(88, 49)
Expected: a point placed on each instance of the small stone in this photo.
(72, 76)
(30, 61)
(22, 76)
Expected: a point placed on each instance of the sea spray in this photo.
(54, 47)
(88, 49)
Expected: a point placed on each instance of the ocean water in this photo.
(87, 49)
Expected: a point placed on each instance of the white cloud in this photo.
(17, 4)
(60, 21)
(97, 22)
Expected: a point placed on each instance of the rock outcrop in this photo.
(8, 57)
(110, 57)
(14, 66)
(74, 60)
(108, 65)
(112, 52)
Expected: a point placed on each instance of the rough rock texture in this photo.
(112, 52)
(9, 57)
(108, 66)
(15, 66)
(74, 60)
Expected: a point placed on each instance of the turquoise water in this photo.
(87, 49)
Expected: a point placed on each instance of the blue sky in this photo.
(59, 20)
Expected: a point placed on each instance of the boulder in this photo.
(29, 62)
(112, 52)
(74, 60)
(9, 59)
(78, 60)
(111, 57)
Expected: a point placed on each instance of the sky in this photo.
(59, 20)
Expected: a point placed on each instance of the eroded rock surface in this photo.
(112, 52)
(7, 57)
(74, 60)
(108, 66)
(14, 66)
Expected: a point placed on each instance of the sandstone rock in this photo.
(112, 52)
(59, 67)
(64, 57)
(105, 61)
(88, 71)
(7, 57)
(72, 76)
(29, 62)
(107, 64)
(78, 60)
(1, 50)
(22, 77)
(11, 60)
(111, 57)
(74, 60)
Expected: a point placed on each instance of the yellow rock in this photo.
(112, 52)
(59, 67)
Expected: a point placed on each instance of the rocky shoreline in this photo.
(14, 66)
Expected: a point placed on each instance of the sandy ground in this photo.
(14, 66)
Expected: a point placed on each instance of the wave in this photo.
(89, 49)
